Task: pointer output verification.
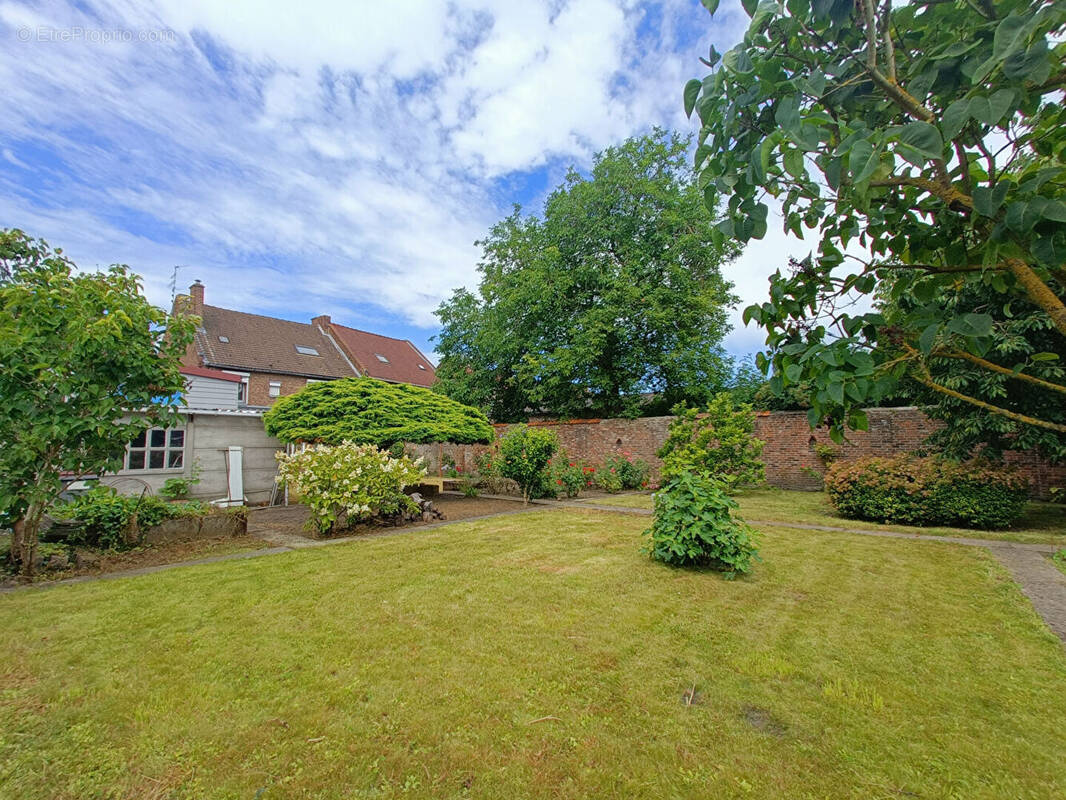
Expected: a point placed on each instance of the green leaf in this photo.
(923, 137)
(710, 5)
(955, 118)
(692, 93)
(836, 393)
(787, 113)
(1010, 35)
(1055, 210)
(988, 200)
(1044, 357)
(928, 337)
(862, 161)
(750, 6)
(794, 164)
(793, 372)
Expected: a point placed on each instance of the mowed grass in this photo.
(537, 656)
(1042, 523)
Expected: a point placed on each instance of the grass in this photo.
(537, 656)
(1042, 523)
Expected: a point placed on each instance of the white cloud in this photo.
(313, 155)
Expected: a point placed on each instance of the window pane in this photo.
(155, 459)
(177, 438)
(159, 437)
(136, 459)
(175, 459)
(138, 441)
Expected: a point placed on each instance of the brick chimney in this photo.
(323, 321)
(196, 293)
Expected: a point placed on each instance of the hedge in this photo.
(927, 491)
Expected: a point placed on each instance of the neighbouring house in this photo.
(276, 357)
(218, 439)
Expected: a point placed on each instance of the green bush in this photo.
(608, 479)
(569, 476)
(693, 526)
(113, 521)
(525, 454)
(927, 491)
(718, 441)
(342, 484)
(631, 474)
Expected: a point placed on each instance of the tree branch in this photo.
(989, 365)
(926, 380)
(1039, 292)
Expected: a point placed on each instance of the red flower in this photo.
(559, 482)
(571, 463)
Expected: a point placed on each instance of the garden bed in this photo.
(293, 519)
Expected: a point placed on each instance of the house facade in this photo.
(274, 357)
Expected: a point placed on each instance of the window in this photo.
(224, 339)
(157, 448)
(421, 367)
(381, 358)
(242, 391)
(304, 350)
(274, 390)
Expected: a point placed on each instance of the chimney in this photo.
(322, 321)
(196, 292)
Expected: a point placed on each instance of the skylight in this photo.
(305, 350)
(381, 358)
(224, 339)
(421, 367)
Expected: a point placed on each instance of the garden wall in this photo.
(790, 457)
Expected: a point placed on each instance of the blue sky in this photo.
(329, 157)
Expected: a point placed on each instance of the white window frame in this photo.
(242, 390)
(168, 448)
(274, 389)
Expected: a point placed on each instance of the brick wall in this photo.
(259, 387)
(789, 453)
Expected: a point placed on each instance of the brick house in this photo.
(277, 357)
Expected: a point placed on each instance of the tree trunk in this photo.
(24, 539)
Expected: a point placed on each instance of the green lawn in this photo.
(537, 656)
(1042, 522)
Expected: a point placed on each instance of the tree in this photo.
(719, 442)
(932, 135)
(78, 353)
(615, 293)
(369, 411)
(525, 454)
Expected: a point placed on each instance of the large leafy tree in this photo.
(369, 411)
(78, 352)
(930, 138)
(615, 292)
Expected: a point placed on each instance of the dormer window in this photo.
(224, 339)
(381, 358)
(305, 350)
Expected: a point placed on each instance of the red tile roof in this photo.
(219, 375)
(404, 363)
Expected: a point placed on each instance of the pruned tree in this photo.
(932, 135)
(369, 411)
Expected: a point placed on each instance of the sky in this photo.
(331, 157)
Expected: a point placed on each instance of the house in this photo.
(217, 436)
(276, 357)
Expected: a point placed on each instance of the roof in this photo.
(267, 344)
(404, 363)
(215, 374)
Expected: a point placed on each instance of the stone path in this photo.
(1028, 564)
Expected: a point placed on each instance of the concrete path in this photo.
(1028, 564)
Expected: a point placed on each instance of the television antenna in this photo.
(174, 282)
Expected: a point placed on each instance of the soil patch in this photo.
(292, 520)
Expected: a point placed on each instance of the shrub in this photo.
(343, 484)
(693, 526)
(632, 474)
(719, 441)
(113, 521)
(524, 457)
(927, 491)
(608, 479)
(569, 476)
(468, 487)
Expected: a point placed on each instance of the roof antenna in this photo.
(174, 282)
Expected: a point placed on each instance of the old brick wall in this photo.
(790, 455)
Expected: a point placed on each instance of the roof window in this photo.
(420, 366)
(305, 350)
(224, 339)
(381, 358)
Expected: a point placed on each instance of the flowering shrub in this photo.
(693, 526)
(631, 474)
(569, 476)
(608, 479)
(348, 482)
(927, 491)
(524, 457)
